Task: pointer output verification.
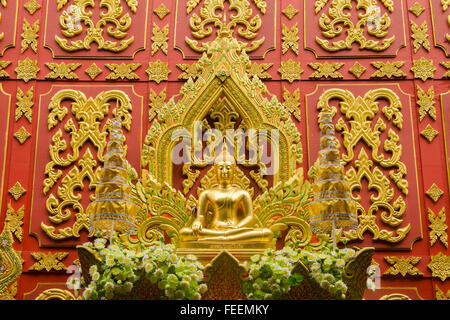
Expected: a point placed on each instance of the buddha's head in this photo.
(225, 172)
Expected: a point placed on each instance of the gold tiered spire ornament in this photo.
(332, 206)
(113, 208)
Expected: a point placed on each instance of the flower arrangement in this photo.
(120, 269)
(270, 275)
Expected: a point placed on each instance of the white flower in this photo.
(99, 243)
(340, 263)
(202, 288)
(158, 251)
(128, 286)
(172, 277)
(132, 277)
(148, 267)
(109, 286)
(87, 293)
(184, 285)
(315, 266)
(114, 247)
(191, 257)
(340, 285)
(95, 276)
(169, 292)
(121, 259)
(197, 296)
(324, 284)
(173, 258)
(92, 269)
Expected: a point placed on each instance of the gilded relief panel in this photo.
(440, 13)
(8, 16)
(346, 28)
(374, 124)
(72, 135)
(100, 29)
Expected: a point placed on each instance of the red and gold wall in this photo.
(67, 66)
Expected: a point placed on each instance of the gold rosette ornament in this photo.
(332, 206)
(113, 208)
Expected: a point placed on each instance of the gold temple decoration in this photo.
(56, 294)
(259, 70)
(10, 265)
(4, 3)
(434, 192)
(122, 71)
(426, 103)
(290, 70)
(156, 103)
(29, 35)
(189, 71)
(62, 70)
(93, 71)
(429, 133)
(403, 266)
(48, 261)
(440, 266)
(160, 38)
(32, 6)
(438, 227)
(158, 71)
(113, 208)
(72, 25)
(292, 102)
(440, 295)
(446, 65)
(88, 114)
(261, 5)
(326, 70)
(14, 221)
(24, 104)
(22, 135)
(388, 69)
(289, 11)
(445, 4)
(161, 11)
(27, 69)
(243, 20)
(423, 69)
(191, 5)
(3, 65)
(395, 296)
(357, 70)
(361, 112)
(371, 22)
(16, 191)
(420, 36)
(416, 9)
(290, 39)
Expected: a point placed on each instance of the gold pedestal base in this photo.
(207, 251)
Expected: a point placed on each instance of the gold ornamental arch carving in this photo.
(224, 86)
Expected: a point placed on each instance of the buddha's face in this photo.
(225, 172)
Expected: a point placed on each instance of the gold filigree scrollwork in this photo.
(48, 261)
(88, 113)
(160, 38)
(24, 104)
(438, 227)
(29, 35)
(403, 266)
(361, 112)
(420, 36)
(247, 25)
(290, 39)
(73, 19)
(371, 21)
(426, 102)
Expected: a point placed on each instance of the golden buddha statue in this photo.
(225, 213)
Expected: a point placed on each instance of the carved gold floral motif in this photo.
(189, 71)
(14, 221)
(440, 295)
(62, 70)
(160, 38)
(24, 104)
(420, 36)
(32, 6)
(27, 69)
(259, 70)
(423, 69)
(292, 102)
(360, 113)
(440, 266)
(434, 192)
(326, 70)
(388, 69)
(417, 9)
(161, 11)
(48, 261)
(88, 115)
(446, 65)
(157, 101)
(123, 71)
(445, 4)
(290, 39)
(29, 35)
(402, 265)
(93, 71)
(429, 133)
(3, 65)
(357, 70)
(76, 17)
(158, 71)
(22, 135)
(247, 25)
(56, 294)
(290, 12)
(371, 21)
(438, 227)
(426, 103)
(290, 70)
(16, 191)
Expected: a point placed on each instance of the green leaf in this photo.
(295, 279)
